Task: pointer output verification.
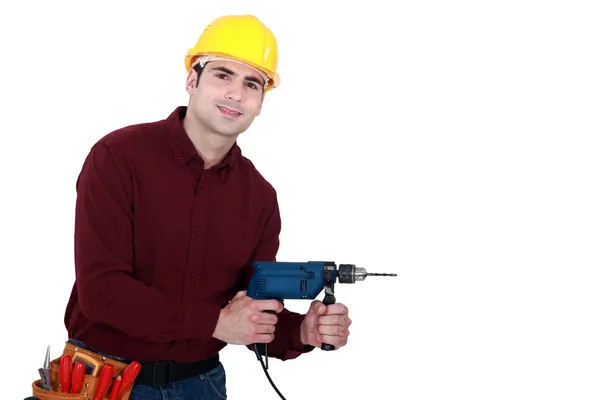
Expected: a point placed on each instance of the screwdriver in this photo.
(104, 380)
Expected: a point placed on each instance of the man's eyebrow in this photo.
(230, 72)
(223, 69)
(254, 79)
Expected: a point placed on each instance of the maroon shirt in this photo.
(161, 245)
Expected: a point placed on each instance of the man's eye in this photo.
(221, 76)
(252, 85)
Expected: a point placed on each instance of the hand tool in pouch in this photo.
(65, 373)
(129, 375)
(78, 376)
(46, 381)
(115, 389)
(105, 376)
(92, 367)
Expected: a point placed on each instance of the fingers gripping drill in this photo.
(301, 280)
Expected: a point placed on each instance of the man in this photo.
(169, 218)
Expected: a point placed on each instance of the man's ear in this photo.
(190, 82)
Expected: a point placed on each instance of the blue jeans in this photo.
(207, 386)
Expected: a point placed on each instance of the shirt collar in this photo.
(183, 149)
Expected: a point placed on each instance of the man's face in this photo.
(228, 97)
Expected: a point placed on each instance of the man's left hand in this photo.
(325, 324)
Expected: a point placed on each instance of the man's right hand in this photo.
(243, 321)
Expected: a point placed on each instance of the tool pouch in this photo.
(90, 382)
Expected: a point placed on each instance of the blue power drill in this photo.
(300, 280)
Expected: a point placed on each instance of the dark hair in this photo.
(198, 68)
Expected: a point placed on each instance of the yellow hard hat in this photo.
(240, 38)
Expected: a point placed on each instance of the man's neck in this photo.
(210, 146)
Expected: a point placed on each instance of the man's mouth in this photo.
(230, 112)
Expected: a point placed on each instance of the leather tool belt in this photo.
(90, 383)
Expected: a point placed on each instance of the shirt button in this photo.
(197, 231)
(192, 278)
(181, 160)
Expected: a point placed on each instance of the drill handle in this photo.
(329, 299)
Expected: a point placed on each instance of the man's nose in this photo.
(235, 93)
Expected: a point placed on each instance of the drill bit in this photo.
(350, 273)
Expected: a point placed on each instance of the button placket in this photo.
(199, 219)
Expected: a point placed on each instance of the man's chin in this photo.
(229, 133)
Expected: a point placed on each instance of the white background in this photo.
(453, 143)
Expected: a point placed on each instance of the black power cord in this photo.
(265, 367)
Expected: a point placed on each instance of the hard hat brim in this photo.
(272, 78)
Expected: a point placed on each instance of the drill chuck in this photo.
(349, 273)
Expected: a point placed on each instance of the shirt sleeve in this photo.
(104, 260)
(287, 344)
